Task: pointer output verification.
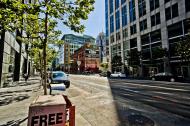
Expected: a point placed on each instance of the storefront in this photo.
(8, 54)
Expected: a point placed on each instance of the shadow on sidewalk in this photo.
(12, 98)
(15, 122)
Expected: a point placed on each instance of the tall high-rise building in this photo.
(140, 31)
(101, 43)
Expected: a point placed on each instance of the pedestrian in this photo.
(26, 77)
(108, 74)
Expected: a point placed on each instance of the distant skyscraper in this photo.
(101, 43)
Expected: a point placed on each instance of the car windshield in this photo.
(56, 75)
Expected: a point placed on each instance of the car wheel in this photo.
(153, 79)
(172, 80)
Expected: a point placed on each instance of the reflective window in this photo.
(187, 5)
(155, 19)
(143, 25)
(142, 7)
(111, 24)
(133, 43)
(124, 15)
(154, 4)
(117, 20)
(171, 12)
(132, 10)
(116, 4)
(133, 29)
(175, 30)
(111, 6)
(123, 1)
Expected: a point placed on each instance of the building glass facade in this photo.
(162, 28)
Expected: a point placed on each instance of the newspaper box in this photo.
(48, 110)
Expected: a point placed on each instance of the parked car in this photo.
(118, 74)
(165, 76)
(59, 77)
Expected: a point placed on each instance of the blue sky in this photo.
(95, 23)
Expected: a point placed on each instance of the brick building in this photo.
(86, 59)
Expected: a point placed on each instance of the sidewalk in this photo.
(15, 100)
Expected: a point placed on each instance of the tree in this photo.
(133, 57)
(40, 19)
(116, 61)
(104, 66)
(183, 49)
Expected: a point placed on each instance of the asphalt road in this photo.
(164, 103)
(123, 102)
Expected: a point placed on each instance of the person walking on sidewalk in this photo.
(26, 76)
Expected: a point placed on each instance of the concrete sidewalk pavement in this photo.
(15, 100)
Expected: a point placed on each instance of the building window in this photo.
(133, 29)
(132, 10)
(155, 36)
(133, 43)
(155, 19)
(143, 25)
(112, 39)
(142, 7)
(154, 4)
(125, 45)
(187, 26)
(123, 1)
(175, 12)
(111, 24)
(118, 36)
(125, 33)
(106, 18)
(175, 30)
(187, 5)
(116, 4)
(117, 20)
(111, 6)
(166, 1)
(171, 12)
(145, 39)
(124, 15)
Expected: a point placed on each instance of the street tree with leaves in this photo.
(183, 49)
(39, 20)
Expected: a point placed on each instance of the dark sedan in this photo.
(166, 77)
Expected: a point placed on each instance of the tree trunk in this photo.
(41, 69)
(44, 51)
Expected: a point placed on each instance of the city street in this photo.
(129, 102)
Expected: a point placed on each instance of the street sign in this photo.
(78, 63)
(47, 110)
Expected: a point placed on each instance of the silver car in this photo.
(59, 77)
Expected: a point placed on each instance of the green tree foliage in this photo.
(104, 66)
(133, 57)
(116, 61)
(183, 49)
(158, 52)
(39, 20)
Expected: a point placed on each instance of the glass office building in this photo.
(139, 29)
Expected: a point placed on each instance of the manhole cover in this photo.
(139, 120)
